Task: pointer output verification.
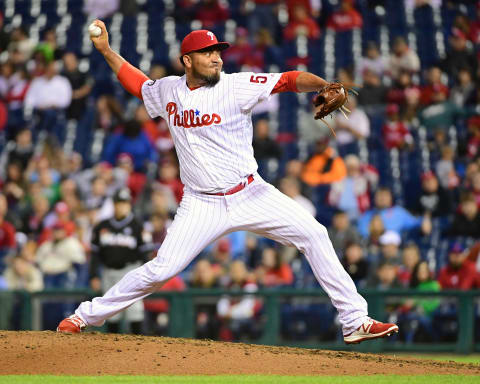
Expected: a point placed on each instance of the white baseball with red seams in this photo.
(212, 131)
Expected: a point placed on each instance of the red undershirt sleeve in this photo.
(131, 79)
(287, 82)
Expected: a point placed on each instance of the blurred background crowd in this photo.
(398, 187)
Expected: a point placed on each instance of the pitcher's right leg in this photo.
(200, 219)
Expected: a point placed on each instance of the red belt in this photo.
(235, 189)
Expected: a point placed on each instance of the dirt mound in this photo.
(102, 354)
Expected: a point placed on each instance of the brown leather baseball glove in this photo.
(330, 98)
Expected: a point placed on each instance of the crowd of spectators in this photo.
(51, 196)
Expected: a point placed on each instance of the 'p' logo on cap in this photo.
(201, 39)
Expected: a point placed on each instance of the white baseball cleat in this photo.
(369, 330)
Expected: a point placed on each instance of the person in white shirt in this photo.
(353, 128)
(48, 97)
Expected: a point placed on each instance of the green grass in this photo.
(261, 379)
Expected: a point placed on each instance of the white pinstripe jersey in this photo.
(211, 126)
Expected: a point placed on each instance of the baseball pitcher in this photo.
(209, 115)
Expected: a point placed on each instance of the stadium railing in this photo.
(182, 314)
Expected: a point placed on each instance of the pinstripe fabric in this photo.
(213, 158)
(201, 219)
(215, 154)
(265, 210)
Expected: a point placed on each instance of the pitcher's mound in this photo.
(105, 354)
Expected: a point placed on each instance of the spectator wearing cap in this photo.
(460, 272)
(119, 245)
(433, 86)
(356, 265)
(324, 167)
(467, 221)
(134, 142)
(390, 243)
(434, 199)
(220, 258)
(459, 55)
(342, 233)
(56, 258)
(394, 217)
(61, 215)
(402, 58)
(346, 18)
(301, 24)
(291, 187)
(352, 194)
(395, 132)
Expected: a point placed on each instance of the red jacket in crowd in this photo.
(464, 278)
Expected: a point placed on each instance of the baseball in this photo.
(94, 30)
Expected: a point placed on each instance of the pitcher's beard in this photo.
(209, 80)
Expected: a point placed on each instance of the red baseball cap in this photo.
(201, 39)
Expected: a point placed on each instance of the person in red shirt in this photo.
(61, 215)
(7, 232)
(395, 132)
(136, 180)
(240, 52)
(435, 85)
(301, 25)
(168, 175)
(211, 13)
(460, 272)
(346, 18)
(273, 271)
(473, 144)
(156, 310)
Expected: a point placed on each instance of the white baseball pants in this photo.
(201, 219)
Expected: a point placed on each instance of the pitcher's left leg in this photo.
(265, 210)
